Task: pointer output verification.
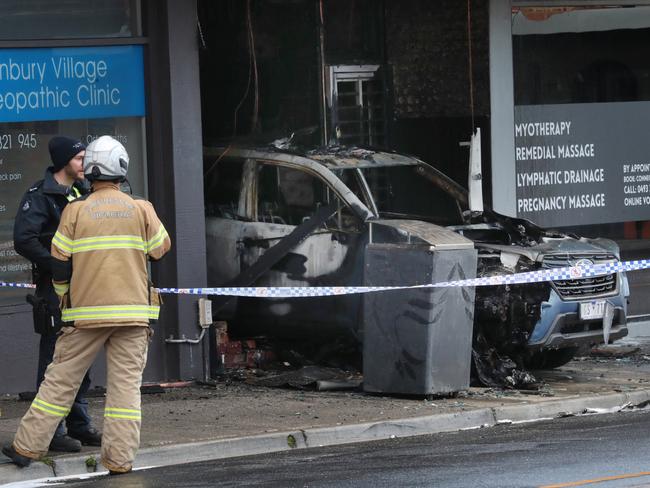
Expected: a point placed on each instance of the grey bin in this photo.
(418, 342)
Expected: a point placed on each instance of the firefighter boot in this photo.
(64, 443)
(18, 459)
(89, 437)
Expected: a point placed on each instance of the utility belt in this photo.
(46, 321)
(47, 316)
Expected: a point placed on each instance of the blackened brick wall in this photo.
(427, 57)
(427, 52)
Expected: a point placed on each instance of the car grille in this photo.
(584, 287)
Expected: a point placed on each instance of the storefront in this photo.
(570, 103)
(564, 114)
(84, 69)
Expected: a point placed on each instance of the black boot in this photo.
(63, 443)
(90, 437)
(18, 459)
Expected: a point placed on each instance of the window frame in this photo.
(253, 193)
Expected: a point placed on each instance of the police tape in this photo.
(5, 284)
(546, 274)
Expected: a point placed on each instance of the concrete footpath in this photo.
(233, 418)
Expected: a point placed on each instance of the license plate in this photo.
(592, 310)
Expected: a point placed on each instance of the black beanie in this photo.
(63, 149)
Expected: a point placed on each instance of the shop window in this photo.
(24, 158)
(580, 54)
(605, 80)
(582, 82)
(69, 19)
(76, 91)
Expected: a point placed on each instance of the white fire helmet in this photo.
(106, 159)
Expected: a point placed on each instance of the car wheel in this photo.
(551, 358)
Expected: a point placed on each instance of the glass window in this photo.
(290, 196)
(352, 179)
(580, 54)
(79, 92)
(582, 82)
(400, 192)
(24, 157)
(69, 19)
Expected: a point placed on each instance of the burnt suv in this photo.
(255, 197)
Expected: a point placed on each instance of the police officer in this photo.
(100, 273)
(36, 222)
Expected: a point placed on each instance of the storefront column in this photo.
(176, 180)
(502, 108)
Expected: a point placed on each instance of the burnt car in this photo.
(256, 197)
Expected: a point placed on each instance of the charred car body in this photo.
(257, 197)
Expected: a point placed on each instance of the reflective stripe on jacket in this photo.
(108, 235)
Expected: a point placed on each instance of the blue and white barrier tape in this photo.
(547, 274)
(16, 285)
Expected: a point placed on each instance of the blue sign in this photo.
(71, 83)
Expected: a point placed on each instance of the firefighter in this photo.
(38, 217)
(100, 274)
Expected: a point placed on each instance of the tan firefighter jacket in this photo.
(108, 236)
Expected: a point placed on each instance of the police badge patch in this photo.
(26, 206)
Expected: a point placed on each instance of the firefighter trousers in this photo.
(75, 351)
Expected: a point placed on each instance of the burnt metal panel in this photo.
(417, 342)
(302, 163)
(438, 237)
(325, 258)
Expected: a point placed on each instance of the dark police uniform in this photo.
(36, 222)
